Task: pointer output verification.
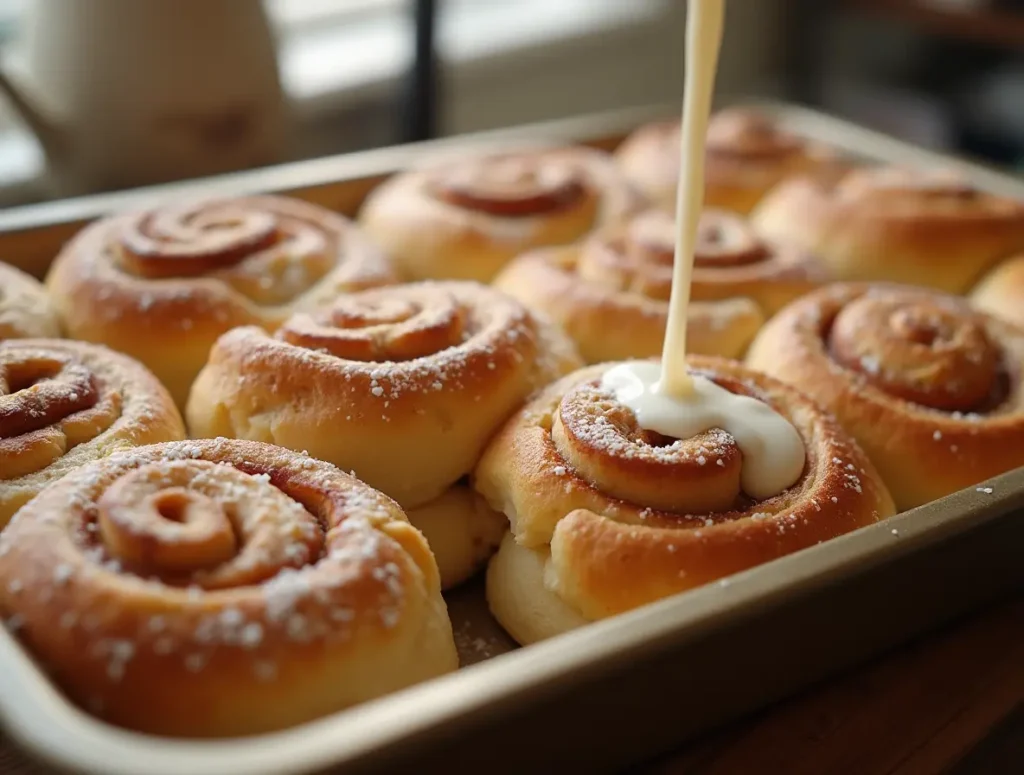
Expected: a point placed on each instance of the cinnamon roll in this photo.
(467, 219)
(221, 588)
(746, 155)
(611, 292)
(64, 404)
(402, 385)
(25, 309)
(162, 285)
(929, 228)
(606, 516)
(1001, 291)
(930, 388)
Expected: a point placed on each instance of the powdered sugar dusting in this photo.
(294, 577)
(387, 347)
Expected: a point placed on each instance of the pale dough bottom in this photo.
(462, 532)
(519, 598)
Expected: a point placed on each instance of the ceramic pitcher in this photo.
(123, 93)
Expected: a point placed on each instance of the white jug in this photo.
(122, 93)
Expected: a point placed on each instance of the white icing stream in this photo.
(665, 397)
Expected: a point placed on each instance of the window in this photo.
(295, 15)
(288, 15)
(10, 13)
(342, 59)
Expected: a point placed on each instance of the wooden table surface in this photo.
(952, 702)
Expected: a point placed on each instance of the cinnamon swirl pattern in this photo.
(402, 385)
(930, 388)
(746, 155)
(64, 404)
(930, 228)
(221, 588)
(162, 285)
(606, 517)
(25, 309)
(466, 219)
(611, 292)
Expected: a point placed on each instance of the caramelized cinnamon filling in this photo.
(725, 240)
(38, 392)
(187, 243)
(603, 442)
(202, 524)
(639, 257)
(746, 134)
(49, 404)
(382, 327)
(267, 249)
(931, 352)
(510, 186)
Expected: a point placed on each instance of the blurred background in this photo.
(107, 94)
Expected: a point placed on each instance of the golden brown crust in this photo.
(1001, 291)
(467, 219)
(404, 385)
(575, 474)
(25, 309)
(611, 292)
(162, 285)
(746, 155)
(930, 388)
(64, 404)
(220, 588)
(896, 225)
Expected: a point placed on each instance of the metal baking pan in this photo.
(605, 695)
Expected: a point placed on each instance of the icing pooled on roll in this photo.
(773, 452)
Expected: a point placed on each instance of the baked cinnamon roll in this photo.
(64, 404)
(606, 516)
(1001, 291)
(611, 292)
(747, 154)
(930, 388)
(402, 385)
(930, 228)
(466, 219)
(25, 309)
(220, 588)
(162, 285)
